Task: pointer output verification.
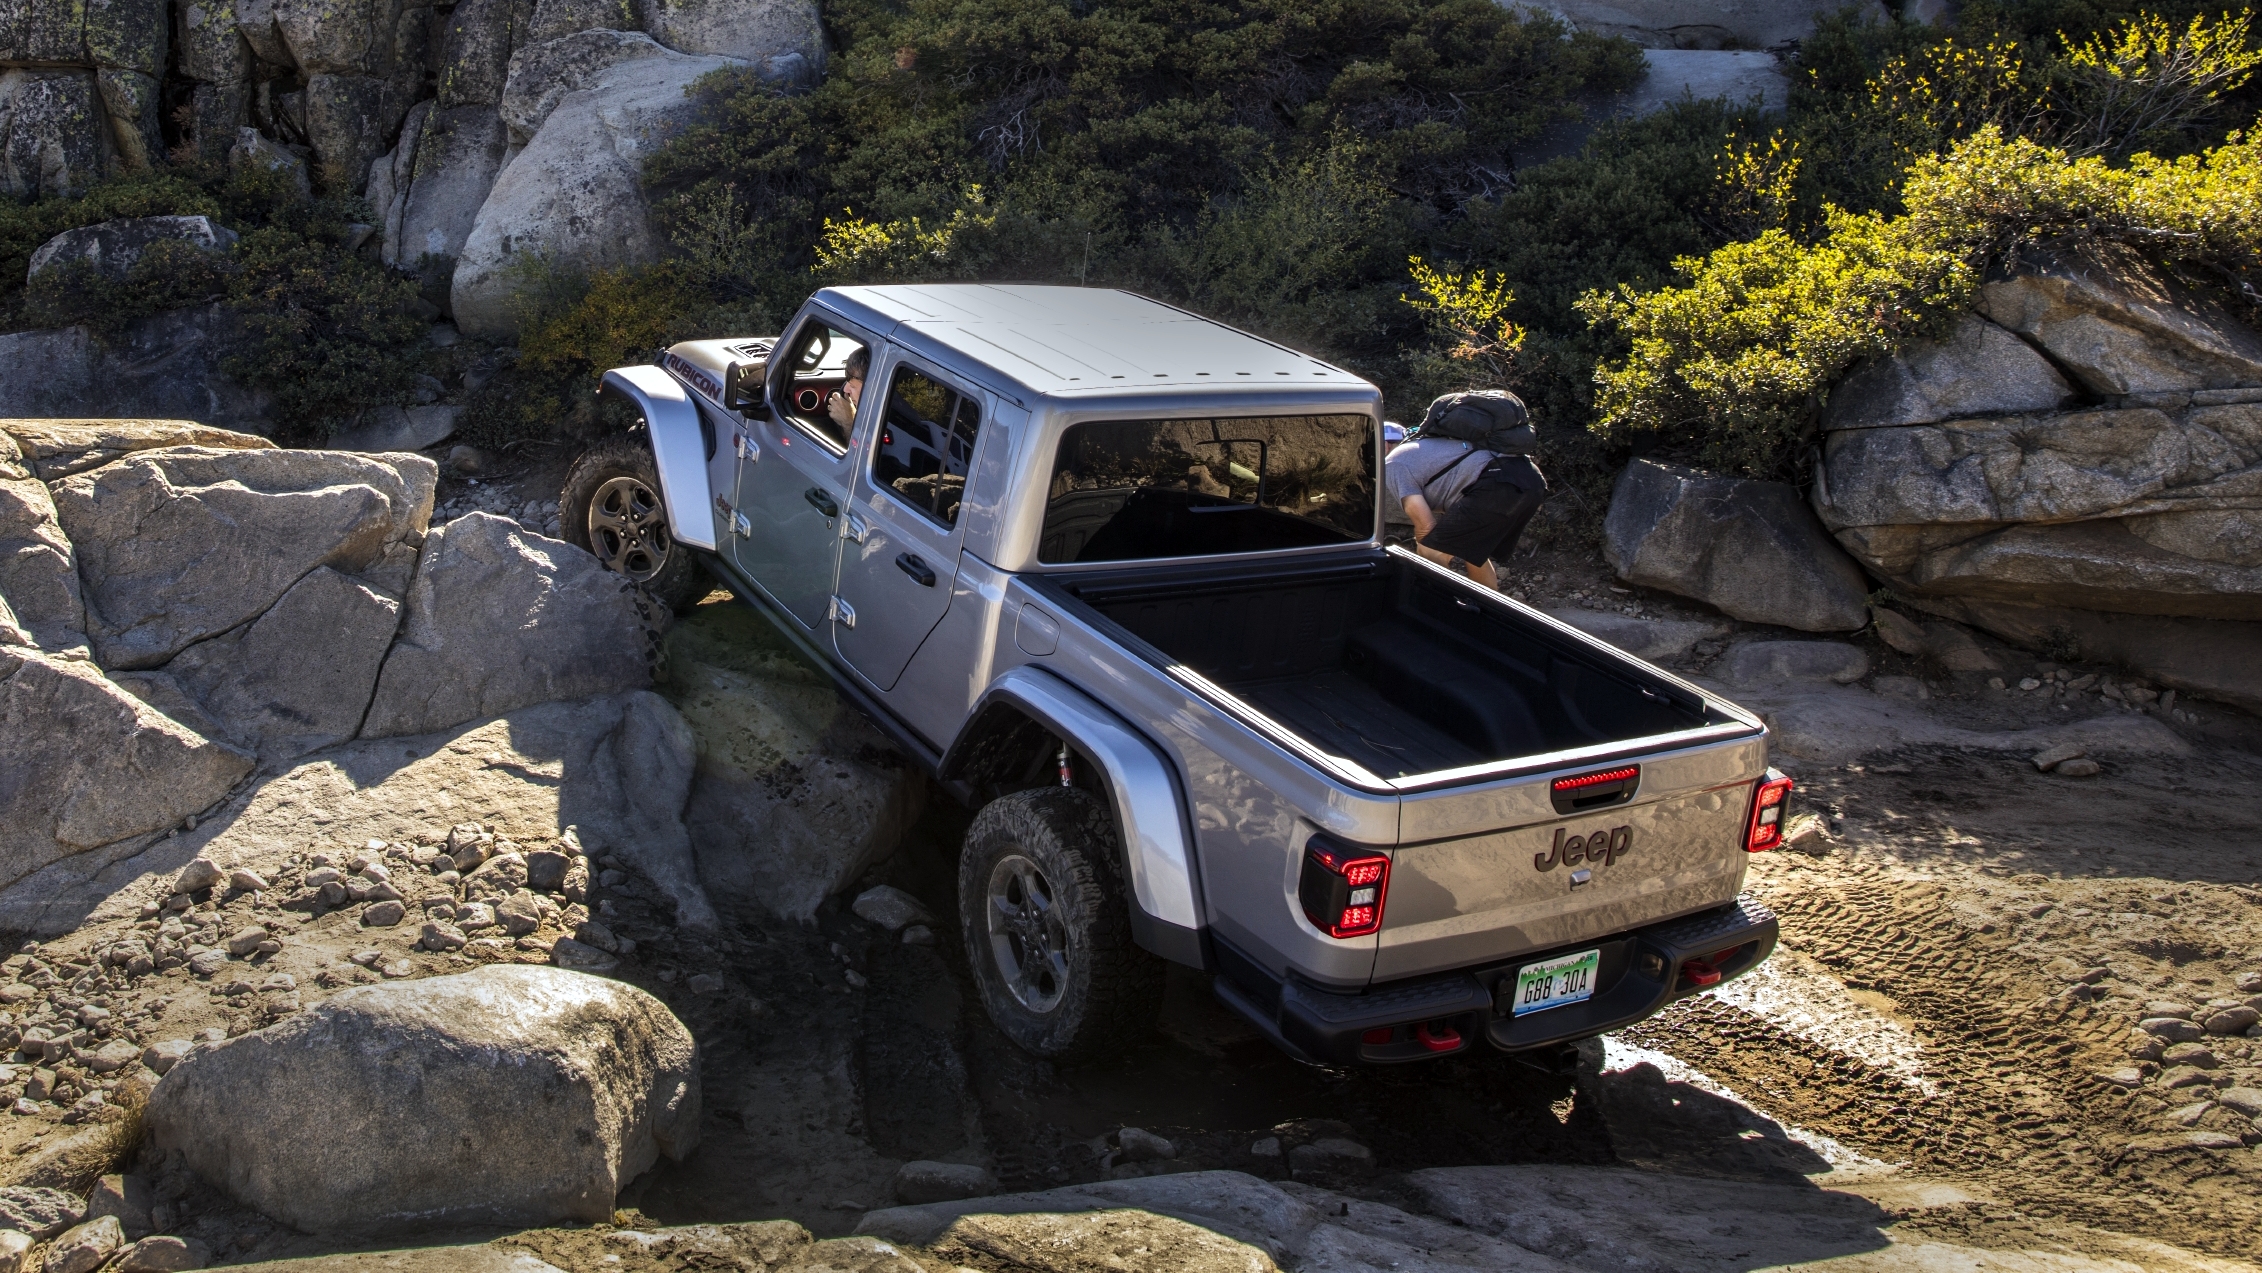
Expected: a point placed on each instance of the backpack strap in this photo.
(1474, 449)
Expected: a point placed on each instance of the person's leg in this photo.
(1483, 524)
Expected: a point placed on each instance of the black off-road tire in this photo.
(1104, 993)
(611, 505)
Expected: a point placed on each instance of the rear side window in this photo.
(1123, 490)
(927, 433)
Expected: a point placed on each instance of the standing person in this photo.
(1468, 484)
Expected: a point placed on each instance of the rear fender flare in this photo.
(1150, 810)
(678, 451)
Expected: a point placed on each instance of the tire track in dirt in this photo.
(2016, 1103)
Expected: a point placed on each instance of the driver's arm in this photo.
(840, 409)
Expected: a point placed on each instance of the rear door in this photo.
(794, 490)
(899, 554)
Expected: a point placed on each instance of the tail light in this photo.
(1343, 889)
(1770, 801)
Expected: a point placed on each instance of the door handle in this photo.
(821, 501)
(917, 569)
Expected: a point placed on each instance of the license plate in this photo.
(1569, 979)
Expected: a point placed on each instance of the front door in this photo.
(793, 488)
(900, 555)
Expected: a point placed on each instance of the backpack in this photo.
(1490, 419)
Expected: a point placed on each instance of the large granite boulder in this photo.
(2133, 510)
(796, 793)
(475, 50)
(429, 189)
(574, 197)
(483, 584)
(783, 38)
(1751, 550)
(85, 765)
(1977, 369)
(113, 247)
(39, 576)
(53, 139)
(542, 74)
(504, 1096)
(298, 677)
(179, 545)
(54, 449)
(167, 364)
(2122, 327)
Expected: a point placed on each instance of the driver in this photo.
(841, 404)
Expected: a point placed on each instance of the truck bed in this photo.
(1381, 663)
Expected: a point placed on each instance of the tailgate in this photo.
(1461, 896)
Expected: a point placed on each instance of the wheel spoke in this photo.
(1028, 938)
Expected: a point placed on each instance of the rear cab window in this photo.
(1128, 490)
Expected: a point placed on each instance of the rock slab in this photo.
(1752, 550)
(505, 1096)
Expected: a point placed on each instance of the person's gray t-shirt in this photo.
(1437, 469)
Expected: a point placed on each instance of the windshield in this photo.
(1123, 490)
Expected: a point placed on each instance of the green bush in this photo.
(1733, 366)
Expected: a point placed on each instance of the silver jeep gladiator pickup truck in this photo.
(1112, 573)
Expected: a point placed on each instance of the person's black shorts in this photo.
(1483, 524)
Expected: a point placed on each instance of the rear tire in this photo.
(1046, 915)
(611, 506)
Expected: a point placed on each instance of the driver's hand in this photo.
(840, 409)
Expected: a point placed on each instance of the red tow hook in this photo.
(1444, 1038)
(1701, 973)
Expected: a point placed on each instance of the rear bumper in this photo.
(1642, 970)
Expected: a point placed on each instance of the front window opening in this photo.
(1125, 490)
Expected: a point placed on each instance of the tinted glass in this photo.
(1129, 489)
(926, 443)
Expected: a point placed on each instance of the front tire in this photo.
(611, 506)
(1046, 915)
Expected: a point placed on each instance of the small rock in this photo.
(126, 1197)
(2079, 767)
(1330, 1158)
(164, 1254)
(244, 881)
(520, 913)
(473, 916)
(1136, 1144)
(398, 968)
(322, 875)
(707, 983)
(384, 914)
(593, 933)
(2189, 1054)
(2190, 1114)
(2250, 983)
(2232, 1020)
(206, 963)
(2184, 1076)
(84, 1248)
(40, 1212)
(2168, 1008)
(571, 954)
(161, 1057)
(442, 937)
(111, 1057)
(1901, 633)
(2245, 1100)
(1268, 1148)
(2029, 683)
(2127, 1077)
(246, 940)
(889, 907)
(546, 870)
(2171, 1029)
(367, 958)
(2050, 758)
(197, 876)
(920, 1182)
(467, 459)
(2213, 1140)
(918, 935)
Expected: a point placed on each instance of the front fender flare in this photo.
(1150, 811)
(678, 451)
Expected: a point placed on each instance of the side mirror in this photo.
(745, 392)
